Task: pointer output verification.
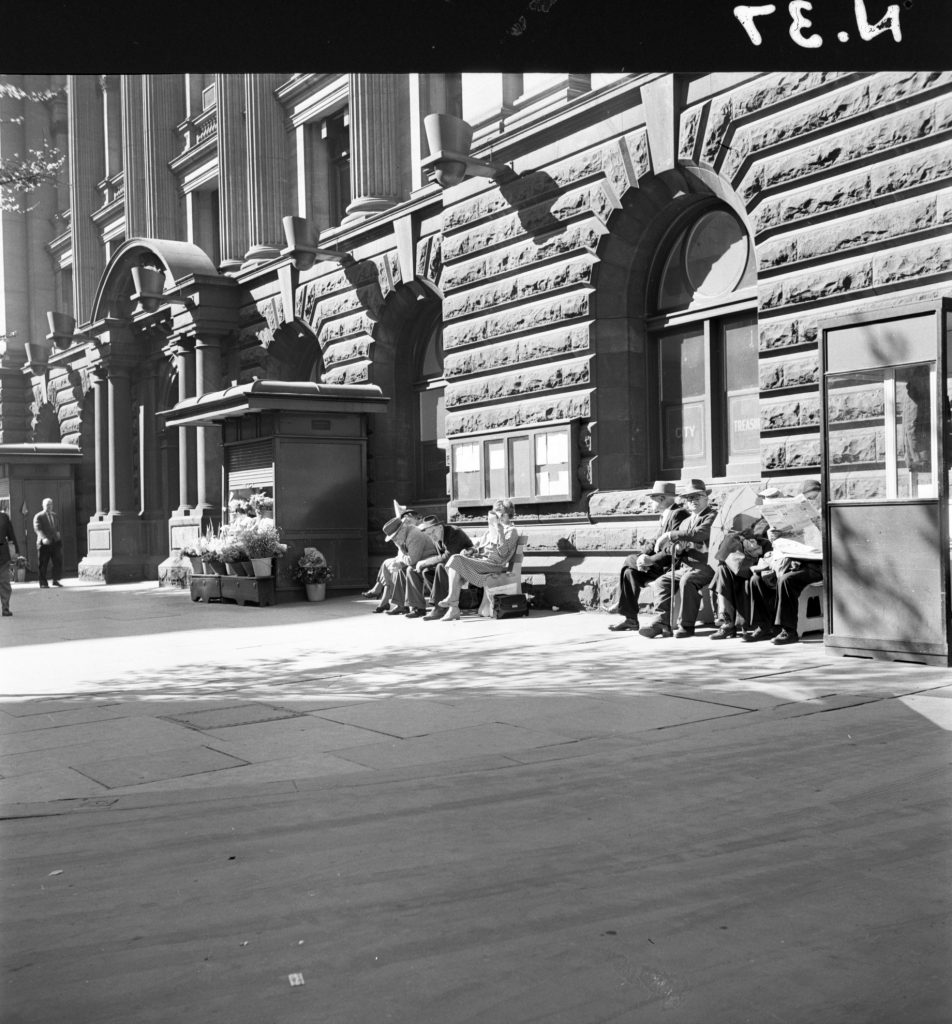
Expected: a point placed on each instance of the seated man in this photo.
(383, 573)
(450, 540)
(776, 585)
(640, 570)
(690, 570)
(732, 575)
(415, 546)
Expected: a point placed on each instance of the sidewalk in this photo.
(523, 820)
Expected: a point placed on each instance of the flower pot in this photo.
(235, 569)
(315, 591)
(217, 566)
(197, 566)
(261, 566)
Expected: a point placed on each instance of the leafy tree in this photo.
(22, 175)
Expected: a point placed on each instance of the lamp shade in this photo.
(149, 287)
(62, 328)
(445, 132)
(298, 232)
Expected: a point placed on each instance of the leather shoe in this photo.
(724, 633)
(44, 586)
(6, 611)
(787, 636)
(381, 608)
(758, 634)
(369, 593)
(433, 615)
(397, 611)
(56, 583)
(655, 631)
(625, 624)
(681, 632)
(415, 613)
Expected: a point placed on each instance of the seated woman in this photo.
(491, 554)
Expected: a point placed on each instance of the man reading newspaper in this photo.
(795, 562)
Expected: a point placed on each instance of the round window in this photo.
(715, 254)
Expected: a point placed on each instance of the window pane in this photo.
(715, 254)
(743, 413)
(496, 468)
(740, 354)
(684, 434)
(856, 442)
(429, 414)
(914, 432)
(520, 468)
(466, 471)
(552, 463)
(682, 365)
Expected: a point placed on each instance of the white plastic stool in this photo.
(807, 623)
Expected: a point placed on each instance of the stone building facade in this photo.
(637, 295)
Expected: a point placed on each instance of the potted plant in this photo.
(313, 571)
(210, 551)
(193, 552)
(232, 551)
(260, 540)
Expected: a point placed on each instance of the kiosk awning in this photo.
(275, 395)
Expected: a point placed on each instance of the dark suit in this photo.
(49, 544)
(407, 588)
(692, 572)
(633, 579)
(7, 565)
(433, 570)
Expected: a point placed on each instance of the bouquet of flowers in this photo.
(257, 536)
(311, 567)
(230, 545)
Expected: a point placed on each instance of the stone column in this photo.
(133, 156)
(267, 165)
(86, 163)
(149, 468)
(379, 143)
(184, 370)
(208, 379)
(120, 440)
(101, 434)
(232, 172)
(163, 106)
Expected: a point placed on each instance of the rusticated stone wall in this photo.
(847, 179)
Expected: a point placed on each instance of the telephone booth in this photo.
(886, 397)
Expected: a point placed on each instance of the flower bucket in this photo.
(235, 569)
(315, 591)
(260, 566)
(197, 564)
(216, 567)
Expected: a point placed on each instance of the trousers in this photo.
(775, 601)
(51, 553)
(633, 580)
(690, 580)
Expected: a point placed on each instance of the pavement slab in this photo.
(532, 821)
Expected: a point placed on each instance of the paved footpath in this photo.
(312, 813)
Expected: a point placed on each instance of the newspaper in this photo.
(790, 516)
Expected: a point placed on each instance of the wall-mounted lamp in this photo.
(150, 291)
(37, 356)
(302, 245)
(62, 329)
(449, 139)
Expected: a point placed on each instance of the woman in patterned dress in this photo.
(491, 555)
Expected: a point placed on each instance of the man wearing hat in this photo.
(450, 540)
(414, 546)
(383, 573)
(775, 595)
(691, 571)
(641, 570)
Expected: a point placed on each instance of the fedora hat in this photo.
(809, 486)
(662, 488)
(695, 486)
(770, 492)
(391, 527)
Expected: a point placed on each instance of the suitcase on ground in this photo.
(510, 606)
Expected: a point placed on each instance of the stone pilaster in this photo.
(121, 500)
(208, 459)
(163, 105)
(101, 436)
(86, 161)
(267, 166)
(232, 170)
(178, 351)
(133, 156)
(380, 153)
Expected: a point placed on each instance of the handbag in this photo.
(510, 606)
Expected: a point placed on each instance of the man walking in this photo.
(49, 542)
(7, 564)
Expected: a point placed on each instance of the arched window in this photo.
(429, 385)
(704, 344)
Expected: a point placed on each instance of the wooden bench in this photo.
(508, 582)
